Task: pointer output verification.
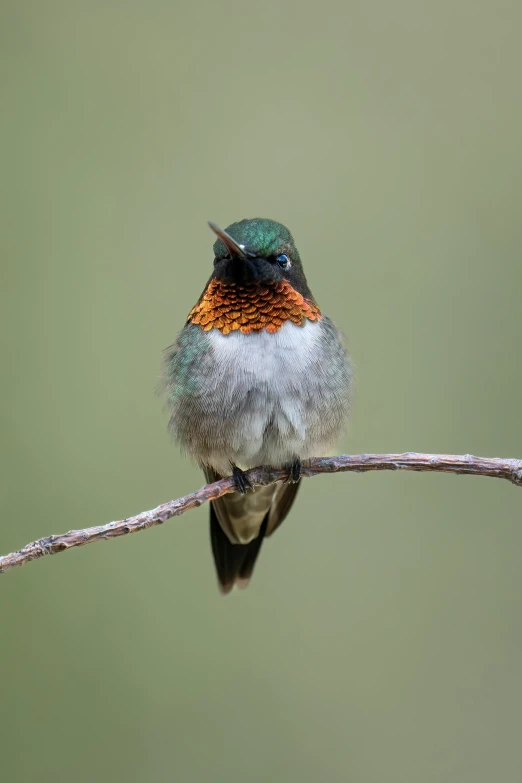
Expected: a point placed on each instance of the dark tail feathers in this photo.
(234, 562)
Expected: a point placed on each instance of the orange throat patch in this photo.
(251, 308)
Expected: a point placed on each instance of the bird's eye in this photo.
(283, 261)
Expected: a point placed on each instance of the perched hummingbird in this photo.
(258, 376)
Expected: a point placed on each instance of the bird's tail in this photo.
(234, 562)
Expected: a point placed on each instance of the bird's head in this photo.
(258, 250)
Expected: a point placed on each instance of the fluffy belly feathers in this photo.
(260, 398)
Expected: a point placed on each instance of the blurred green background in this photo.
(381, 638)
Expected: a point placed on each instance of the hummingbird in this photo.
(257, 376)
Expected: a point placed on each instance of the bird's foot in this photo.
(241, 479)
(294, 474)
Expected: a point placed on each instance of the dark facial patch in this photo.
(267, 240)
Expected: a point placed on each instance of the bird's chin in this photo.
(245, 271)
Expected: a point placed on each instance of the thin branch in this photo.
(510, 469)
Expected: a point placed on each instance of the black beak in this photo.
(235, 249)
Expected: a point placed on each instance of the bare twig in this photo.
(510, 469)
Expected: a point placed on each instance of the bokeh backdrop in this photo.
(381, 638)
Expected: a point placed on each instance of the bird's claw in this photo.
(242, 481)
(294, 472)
